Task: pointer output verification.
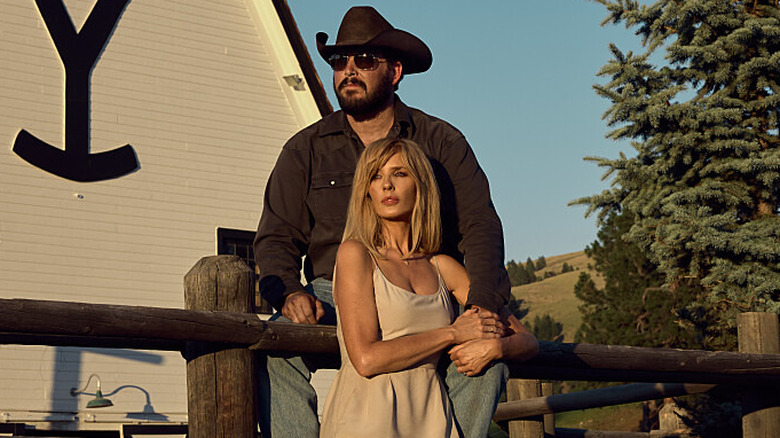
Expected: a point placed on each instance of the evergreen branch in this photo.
(705, 178)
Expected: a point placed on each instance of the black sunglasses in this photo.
(363, 61)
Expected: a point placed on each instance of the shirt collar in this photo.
(404, 125)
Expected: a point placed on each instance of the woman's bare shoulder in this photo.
(445, 262)
(352, 251)
(352, 275)
(454, 275)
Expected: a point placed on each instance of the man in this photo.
(305, 206)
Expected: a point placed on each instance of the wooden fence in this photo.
(218, 335)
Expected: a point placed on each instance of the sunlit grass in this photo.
(555, 295)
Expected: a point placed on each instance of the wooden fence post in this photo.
(521, 389)
(549, 419)
(221, 392)
(760, 333)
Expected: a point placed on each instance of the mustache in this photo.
(352, 81)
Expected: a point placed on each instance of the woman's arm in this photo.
(353, 290)
(458, 283)
(471, 357)
(519, 344)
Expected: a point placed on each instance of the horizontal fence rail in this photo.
(38, 322)
(617, 363)
(106, 325)
(614, 395)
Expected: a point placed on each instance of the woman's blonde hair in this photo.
(363, 223)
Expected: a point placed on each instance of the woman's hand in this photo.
(473, 356)
(477, 324)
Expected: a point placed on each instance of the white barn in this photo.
(114, 183)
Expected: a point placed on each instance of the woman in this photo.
(395, 315)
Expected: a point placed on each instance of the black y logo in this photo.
(79, 52)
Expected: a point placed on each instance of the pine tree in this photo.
(705, 181)
(631, 308)
(530, 270)
(517, 273)
(546, 328)
(511, 268)
(530, 265)
(541, 263)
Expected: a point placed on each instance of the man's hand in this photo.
(490, 319)
(301, 307)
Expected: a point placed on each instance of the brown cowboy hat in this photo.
(362, 27)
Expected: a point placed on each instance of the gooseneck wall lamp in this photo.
(99, 401)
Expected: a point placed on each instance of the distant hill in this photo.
(555, 295)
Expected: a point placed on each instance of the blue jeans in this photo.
(288, 403)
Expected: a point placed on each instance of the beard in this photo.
(372, 103)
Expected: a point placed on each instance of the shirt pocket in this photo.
(329, 195)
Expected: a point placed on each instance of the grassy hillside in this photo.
(555, 295)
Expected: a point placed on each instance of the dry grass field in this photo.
(555, 295)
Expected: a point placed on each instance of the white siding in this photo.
(195, 86)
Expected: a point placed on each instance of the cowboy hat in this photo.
(362, 27)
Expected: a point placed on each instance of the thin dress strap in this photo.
(376, 265)
(438, 272)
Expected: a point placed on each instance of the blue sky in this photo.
(516, 77)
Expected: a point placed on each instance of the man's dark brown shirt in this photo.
(305, 205)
